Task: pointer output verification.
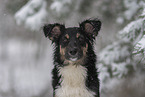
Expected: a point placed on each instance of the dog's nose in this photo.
(73, 51)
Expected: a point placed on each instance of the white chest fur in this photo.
(73, 82)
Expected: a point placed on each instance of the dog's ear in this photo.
(91, 27)
(53, 31)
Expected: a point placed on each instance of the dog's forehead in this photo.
(72, 31)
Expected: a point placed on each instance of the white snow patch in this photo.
(132, 7)
(140, 46)
(129, 33)
(32, 15)
(58, 5)
(142, 43)
(120, 20)
(5, 84)
(21, 71)
(31, 81)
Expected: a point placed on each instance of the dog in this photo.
(74, 73)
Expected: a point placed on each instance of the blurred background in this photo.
(26, 55)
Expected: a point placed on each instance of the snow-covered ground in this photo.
(25, 69)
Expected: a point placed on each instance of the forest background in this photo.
(26, 55)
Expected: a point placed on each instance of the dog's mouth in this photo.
(73, 59)
(77, 60)
(73, 55)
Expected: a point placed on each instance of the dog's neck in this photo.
(73, 75)
(73, 79)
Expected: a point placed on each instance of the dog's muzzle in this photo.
(73, 54)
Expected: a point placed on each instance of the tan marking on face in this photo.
(85, 50)
(62, 53)
(67, 36)
(77, 35)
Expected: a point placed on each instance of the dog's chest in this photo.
(73, 82)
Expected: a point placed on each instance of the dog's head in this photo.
(73, 42)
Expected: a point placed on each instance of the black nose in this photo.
(73, 51)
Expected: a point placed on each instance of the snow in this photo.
(4, 79)
(116, 58)
(32, 15)
(132, 8)
(35, 21)
(31, 82)
(58, 5)
(142, 3)
(140, 47)
(130, 32)
(143, 14)
(16, 48)
(111, 58)
(103, 72)
(120, 20)
(113, 53)
(141, 43)
(119, 69)
(22, 71)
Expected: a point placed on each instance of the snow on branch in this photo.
(132, 32)
(32, 15)
(58, 5)
(117, 59)
(139, 50)
(131, 9)
(140, 46)
(63, 8)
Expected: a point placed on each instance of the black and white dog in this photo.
(74, 73)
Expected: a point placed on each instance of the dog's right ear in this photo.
(91, 27)
(53, 31)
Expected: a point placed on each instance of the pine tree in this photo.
(126, 55)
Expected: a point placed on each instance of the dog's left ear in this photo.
(53, 31)
(91, 27)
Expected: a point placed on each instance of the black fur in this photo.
(88, 29)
